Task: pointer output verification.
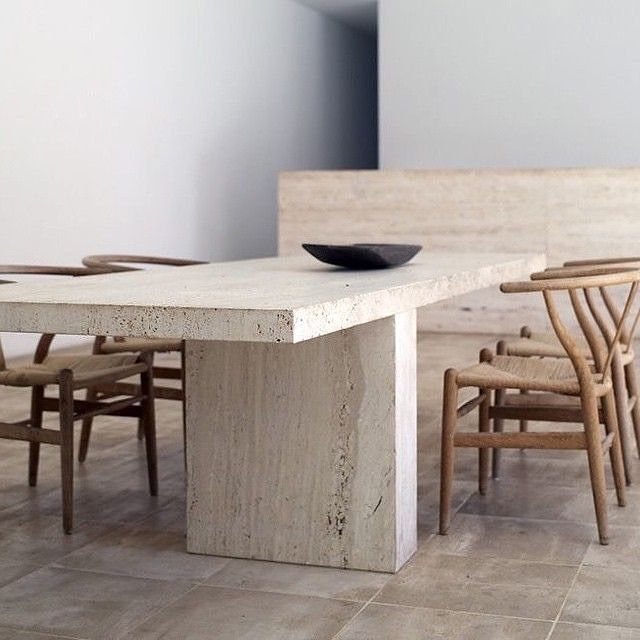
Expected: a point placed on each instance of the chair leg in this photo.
(524, 424)
(87, 423)
(484, 426)
(66, 448)
(525, 332)
(37, 394)
(616, 449)
(140, 431)
(183, 380)
(449, 419)
(632, 387)
(621, 408)
(596, 465)
(148, 422)
(487, 356)
(498, 426)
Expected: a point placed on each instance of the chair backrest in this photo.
(116, 263)
(612, 306)
(602, 333)
(598, 266)
(46, 339)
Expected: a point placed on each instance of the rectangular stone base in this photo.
(305, 452)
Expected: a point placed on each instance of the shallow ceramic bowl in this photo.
(363, 256)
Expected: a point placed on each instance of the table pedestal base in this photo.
(305, 452)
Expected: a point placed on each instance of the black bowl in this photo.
(363, 256)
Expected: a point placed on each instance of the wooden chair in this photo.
(70, 373)
(545, 381)
(624, 376)
(113, 263)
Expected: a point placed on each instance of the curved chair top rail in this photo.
(613, 277)
(582, 271)
(42, 270)
(45, 270)
(600, 261)
(116, 262)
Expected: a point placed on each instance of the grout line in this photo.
(203, 582)
(56, 565)
(564, 602)
(465, 611)
(359, 611)
(208, 586)
(159, 610)
(615, 627)
(406, 606)
(32, 569)
(466, 581)
(286, 593)
(550, 563)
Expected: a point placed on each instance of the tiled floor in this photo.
(521, 562)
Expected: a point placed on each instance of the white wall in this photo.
(159, 126)
(499, 83)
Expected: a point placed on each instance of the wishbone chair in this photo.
(577, 376)
(546, 344)
(69, 373)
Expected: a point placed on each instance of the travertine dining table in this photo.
(300, 391)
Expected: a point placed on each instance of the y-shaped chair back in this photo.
(602, 337)
(612, 307)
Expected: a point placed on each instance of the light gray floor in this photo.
(521, 562)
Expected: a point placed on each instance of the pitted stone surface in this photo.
(284, 299)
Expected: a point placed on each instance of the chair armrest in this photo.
(616, 277)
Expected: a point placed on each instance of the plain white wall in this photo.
(159, 126)
(500, 83)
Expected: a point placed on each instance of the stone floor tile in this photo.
(528, 500)
(481, 585)
(236, 614)
(10, 571)
(429, 501)
(143, 552)
(623, 550)
(604, 595)
(516, 539)
(83, 604)
(38, 539)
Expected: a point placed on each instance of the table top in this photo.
(282, 299)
